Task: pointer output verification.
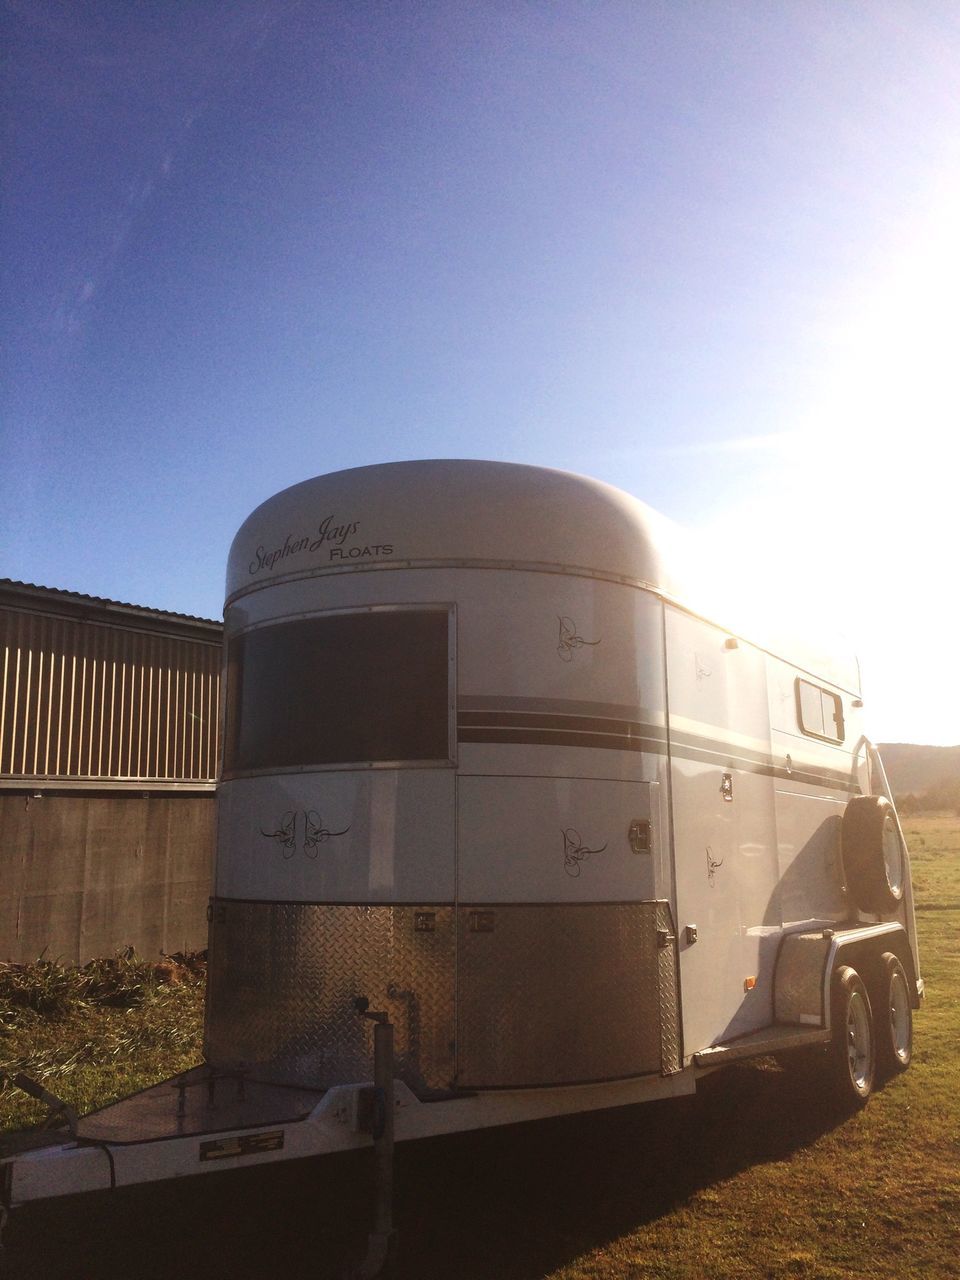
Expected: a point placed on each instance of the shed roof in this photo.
(28, 595)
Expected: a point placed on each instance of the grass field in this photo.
(748, 1179)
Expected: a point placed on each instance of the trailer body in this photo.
(492, 767)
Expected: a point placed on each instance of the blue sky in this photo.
(704, 251)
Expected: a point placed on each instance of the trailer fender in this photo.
(807, 960)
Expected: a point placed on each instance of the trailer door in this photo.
(560, 884)
(723, 829)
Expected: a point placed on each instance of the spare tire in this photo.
(874, 858)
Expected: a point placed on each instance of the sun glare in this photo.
(857, 529)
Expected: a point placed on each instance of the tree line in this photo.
(944, 795)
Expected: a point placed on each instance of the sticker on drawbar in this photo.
(243, 1144)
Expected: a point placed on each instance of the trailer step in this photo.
(759, 1043)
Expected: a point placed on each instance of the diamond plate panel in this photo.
(798, 979)
(671, 1057)
(282, 979)
(552, 994)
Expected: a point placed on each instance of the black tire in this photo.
(874, 858)
(894, 1016)
(852, 1056)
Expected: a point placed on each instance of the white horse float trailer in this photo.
(495, 787)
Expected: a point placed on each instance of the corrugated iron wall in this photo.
(109, 753)
(86, 699)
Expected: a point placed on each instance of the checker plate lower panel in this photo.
(537, 995)
(559, 994)
(283, 977)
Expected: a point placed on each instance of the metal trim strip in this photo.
(563, 737)
(425, 903)
(521, 566)
(558, 720)
(105, 786)
(354, 766)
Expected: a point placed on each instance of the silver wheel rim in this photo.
(858, 1042)
(892, 856)
(899, 1017)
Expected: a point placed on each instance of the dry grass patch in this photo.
(95, 1033)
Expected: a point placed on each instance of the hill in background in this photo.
(912, 768)
(922, 777)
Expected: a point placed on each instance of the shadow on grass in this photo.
(513, 1204)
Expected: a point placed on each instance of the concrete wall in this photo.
(84, 875)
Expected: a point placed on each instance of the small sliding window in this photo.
(365, 687)
(819, 711)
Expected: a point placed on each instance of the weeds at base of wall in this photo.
(95, 1033)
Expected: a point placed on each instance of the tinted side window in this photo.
(349, 688)
(820, 712)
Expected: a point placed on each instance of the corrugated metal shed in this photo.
(96, 691)
(109, 752)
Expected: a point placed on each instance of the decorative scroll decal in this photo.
(575, 852)
(569, 641)
(713, 866)
(285, 834)
(314, 833)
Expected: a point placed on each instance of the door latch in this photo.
(640, 835)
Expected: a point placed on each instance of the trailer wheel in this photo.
(873, 854)
(852, 1055)
(894, 1016)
